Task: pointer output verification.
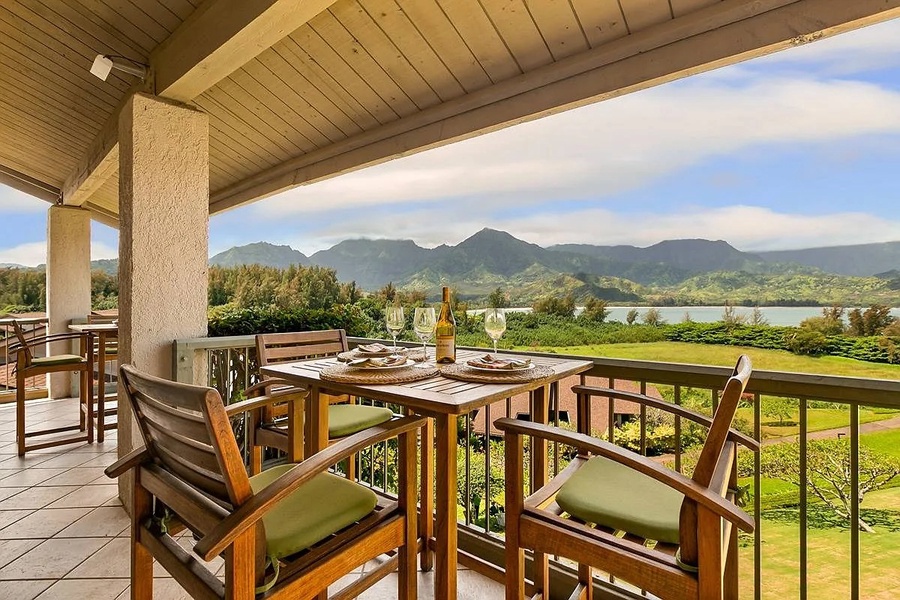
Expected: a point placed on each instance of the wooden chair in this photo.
(287, 533)
(271, 426)
(28, 365)
(602, 510)
(106, 409)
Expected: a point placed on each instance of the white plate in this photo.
(527, 367)
(370, 367)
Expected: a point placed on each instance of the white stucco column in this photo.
(68, 281)
(163, 236)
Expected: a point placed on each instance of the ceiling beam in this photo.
(725, 33)
(28, 185)
(214, 41)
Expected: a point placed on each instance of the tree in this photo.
(632, 316)
(554, 305)
(830, 323)
(594, 311)
(498, 299)
(757, 317)
(872, 321)
(779, 408)
(828, 465)
(652, 317)
(730, 315)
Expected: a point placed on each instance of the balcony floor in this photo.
(64, 534)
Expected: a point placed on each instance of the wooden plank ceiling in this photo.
(367, 80)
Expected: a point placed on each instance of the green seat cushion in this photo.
(347, 419)
(609, 494)
(321, 507)
(58, 359)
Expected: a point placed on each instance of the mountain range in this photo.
(679, 270)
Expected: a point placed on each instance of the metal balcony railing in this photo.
(35, 387)
(829, 567)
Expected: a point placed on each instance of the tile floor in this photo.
(63, 532)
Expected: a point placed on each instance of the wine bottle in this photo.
(446, 331)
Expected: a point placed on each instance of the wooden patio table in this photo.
(443, 400)
(102, 332)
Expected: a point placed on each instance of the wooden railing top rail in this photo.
(830, 388)
(23, 320)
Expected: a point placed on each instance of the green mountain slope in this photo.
(858, 260)
(259, 253)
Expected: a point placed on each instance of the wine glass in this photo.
(495, 324)
(424, 323)
(394, 320)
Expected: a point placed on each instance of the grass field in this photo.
(829, 559)
(705, 354)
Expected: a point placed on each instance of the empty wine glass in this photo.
(424, 323)
(495, 324)
(394, 320)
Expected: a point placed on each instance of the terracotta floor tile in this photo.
(75, 476)
(29, 477)
(23, 590)
(43, 523)
(87, 496)
(37, 497)
(100, 522)
(93, 589)
(8, 517)
(112, 561)
(52, 559)
(10, 550)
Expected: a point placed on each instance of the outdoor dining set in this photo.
(290, 515)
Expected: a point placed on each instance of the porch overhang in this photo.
(297, 92)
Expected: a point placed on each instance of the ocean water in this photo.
(774, 315)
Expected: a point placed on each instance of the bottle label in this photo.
(446, 349)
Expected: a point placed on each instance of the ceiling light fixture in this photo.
(104, 63)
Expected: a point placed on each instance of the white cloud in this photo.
(611, 147)
(14, 201)
(32, 254)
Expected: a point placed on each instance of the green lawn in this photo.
(818, 419)
(705, 354)
(829, 559)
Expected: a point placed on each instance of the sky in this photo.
(795, 150)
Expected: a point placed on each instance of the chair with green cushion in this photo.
(289, 532)
(273, 427)
(626, 515)
(27, 366)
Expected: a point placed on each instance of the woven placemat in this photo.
(345, 374)
(415, 354)
(465, 373)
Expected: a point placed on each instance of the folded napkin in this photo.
(489, 361)
(375, 348)
(387, 361)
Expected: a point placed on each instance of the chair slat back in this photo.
(23, 347)
(187, 431)
(722, 421)
(274, 348)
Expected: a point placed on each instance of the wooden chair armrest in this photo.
(675, 409)
(642, 464)
(131, 460)
(223, 534)
(291, 394)
(45, 339)
(262, 387)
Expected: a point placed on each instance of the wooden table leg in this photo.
(445, 531)
(540, 413)
(101, 385)
(426, 522)
(317, 421)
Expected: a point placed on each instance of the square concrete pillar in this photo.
(163, 237)
(68, 281)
